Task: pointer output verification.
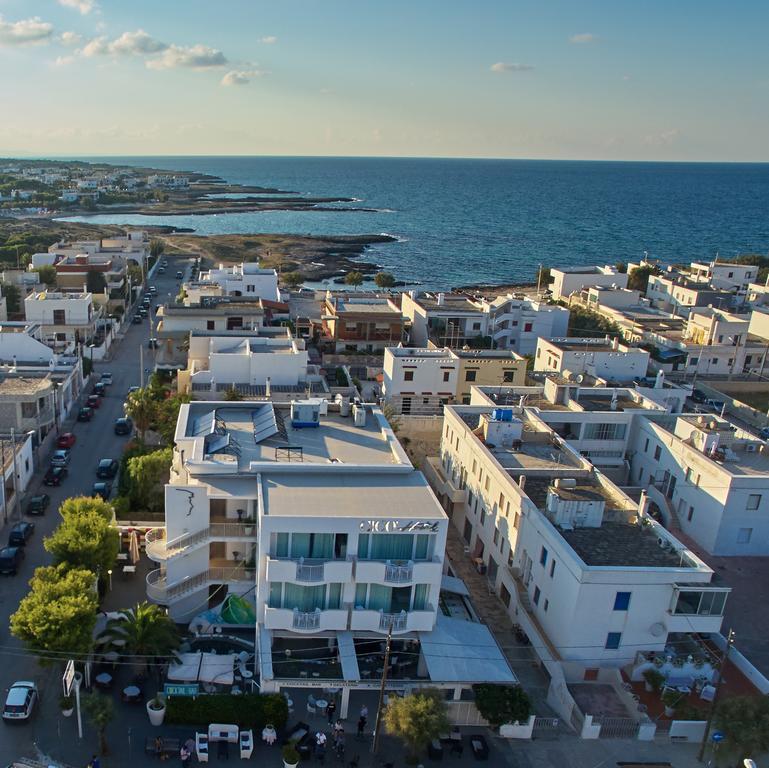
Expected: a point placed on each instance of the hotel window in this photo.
(496, 535)
(502, 544)
(475, 465)
(510, 556)
(753, 501)
(59, 317)
(537, 595)
(483, 515)
(543, 557)
(507, 376)
(281, 545)
(688, 475)
(501, 502)
(516, 520)
(446, 375)
(360, 595)
(547, 605)
(657, 453)
(487, 483)
(552, 568)
(604, 432)
(470, 499)
(646, 446)
(470, 375)
(744, 535)
(408, 375)
(613, 640)
(622, 601)
(691, 514)
(527, 327)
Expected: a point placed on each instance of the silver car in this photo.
(20, 701)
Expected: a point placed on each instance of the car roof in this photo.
(8, 551)
(106, 461)
(22, 524)
(38, 496)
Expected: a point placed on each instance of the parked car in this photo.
(179, 275)
(107, 468)
(106, 378)
(103, 489)
(137, 318)
(698, 396)
(10, 559)
(85, 414)
(124, 426)
(93, 401)
(152, 343)
(67, 440)
(100, 389)
(55, 475)
(161, 270)
(301, 737)
(142, 312)
(20, 533)
(60, 458)
(153, 290)
(38, 504)
(20, 701)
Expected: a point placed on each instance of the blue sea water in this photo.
(495, 221)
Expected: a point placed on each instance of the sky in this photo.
(558, 79)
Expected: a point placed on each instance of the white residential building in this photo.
(246, 279)
(320, 523)
(676, 293)
(222, 314)
(707, 477)
(724, 275)
(421, 381)
(66, 319)
(568, 280)
(602, 358)
(586, 572)
(445, 319)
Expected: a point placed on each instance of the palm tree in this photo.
(142, 408)
(744, 721)
(143, 632)
(100, 711)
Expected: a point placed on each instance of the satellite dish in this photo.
(657, 630)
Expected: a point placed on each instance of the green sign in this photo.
(183, 689)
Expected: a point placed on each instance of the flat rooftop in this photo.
(617, 544)
(365, 306)
(623, 402)
(23, 385)
(584, 345)
(450, 303)
(261, 432)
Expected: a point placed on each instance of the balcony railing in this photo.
(309, 572)
(398, 621)
(160, 549)
(306, 619)
(398, 574)
(161, 591)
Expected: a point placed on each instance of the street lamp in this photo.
(91, 347)
(109, 573)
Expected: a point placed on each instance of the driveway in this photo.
(95, 440)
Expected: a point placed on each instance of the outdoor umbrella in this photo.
(133, 547)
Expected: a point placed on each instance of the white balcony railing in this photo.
(398, 574)
(306, 619)
(309, 571)
(160, 590)
(398, 621)
(318, 620)
(160, 549)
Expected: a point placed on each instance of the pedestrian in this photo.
(361, 726)
(95, 762)
(190, 744)
(330, 711)
(184, 754)
(320, 739)
(340, 744)
(364, 713)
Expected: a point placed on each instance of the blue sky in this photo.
(491, 78)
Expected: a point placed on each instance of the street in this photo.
(95, 440)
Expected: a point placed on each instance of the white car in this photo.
(20, 701)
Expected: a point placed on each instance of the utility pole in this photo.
(141, 366)
(724, 660)
(385, 668)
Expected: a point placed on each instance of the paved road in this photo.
(95, 440)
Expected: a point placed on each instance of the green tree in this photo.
(621, 267)
(12, 297)
(417, 719)
(47, 274)
(148, 475)
(233, 394)
(134, 273)
(58, 613)
(384, 279)
(292, 280)
(142, 407)
(501, 704)
(85, 537)
(744, 721)
(583, 323)
(95, 282)
(354, 278)
(143, 632)
(544, 278)
(101, 712)
(168, 415)
(156, 247)
(638, 278)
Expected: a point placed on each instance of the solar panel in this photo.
(204, 425)
(263, 419)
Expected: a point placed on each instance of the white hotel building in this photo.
(314, 513)
(582, 567)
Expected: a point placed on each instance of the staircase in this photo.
(160, 550)
(160, 591)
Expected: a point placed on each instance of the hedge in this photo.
(249, 710)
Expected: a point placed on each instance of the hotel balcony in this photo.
(398, 572)
(405, 621)
(160, 550)
(309, 571)
(306, 621)
(441, 483)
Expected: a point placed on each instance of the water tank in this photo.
(502, 414)
(305, 413)
(359, 415)
(344, 405)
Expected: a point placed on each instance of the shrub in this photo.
(502, 703)
(250, 710)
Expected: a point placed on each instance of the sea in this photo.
(460, 222)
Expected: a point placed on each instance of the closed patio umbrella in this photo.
(133, 547)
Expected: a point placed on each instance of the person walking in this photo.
(331, 711)
(185, 755)
(361, 726)
(364, 713)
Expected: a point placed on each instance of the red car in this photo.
(94, 401)
(67, 440)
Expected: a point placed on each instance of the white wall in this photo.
(429, 371)
(566, 282)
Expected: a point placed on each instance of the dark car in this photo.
(152, 343)
(60, 457)
(179, 275)
(136, 319)
(301, 737)
(93, 401)
(85, 414)
(10, 559)
(143, 312)
(146, 301)
(38, 504)
(124, 426)
(698, 396)
(20, 533)
(67, 440)
(107, 468)
(55, 475)
(102, 489)
(100, 389)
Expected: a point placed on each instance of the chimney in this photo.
(642, 504)
(267, 387)
(441, 299)
(660, 378)
(522, 481)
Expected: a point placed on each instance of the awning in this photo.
(455, 585)
(265, 654)
(186, 668)
(217, 668)
(670, 354)
(347, 656)
(458, 651)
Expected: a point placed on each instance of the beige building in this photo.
(27, 404)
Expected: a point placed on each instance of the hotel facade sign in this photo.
(397, 526)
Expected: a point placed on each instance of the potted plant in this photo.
(248, 521)
(156, 709)
(670, 699)
(67, 705)
(290, 756)
(653, 680)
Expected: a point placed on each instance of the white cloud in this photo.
(504, 66)
(583, 37)
(70, 39)
(240, 76)
(194, 57)
(268, 39)
(32, 31)
(84, 6)
(136, 44)
(63, 61)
